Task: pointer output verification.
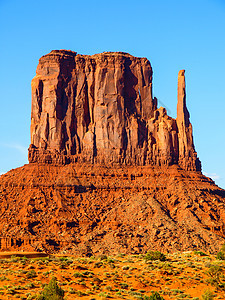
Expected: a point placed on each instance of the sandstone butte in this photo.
(108, 171)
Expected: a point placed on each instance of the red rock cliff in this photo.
(100, 109)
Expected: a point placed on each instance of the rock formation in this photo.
(185, 137)
(100, 109)
(108, 171)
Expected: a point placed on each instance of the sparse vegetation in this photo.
(180, 276)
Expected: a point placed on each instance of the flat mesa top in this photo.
(63, 52)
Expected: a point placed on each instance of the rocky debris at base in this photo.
(87, 209)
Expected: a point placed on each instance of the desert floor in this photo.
(184, 275)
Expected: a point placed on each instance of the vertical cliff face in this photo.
(100, 109)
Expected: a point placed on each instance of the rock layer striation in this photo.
(100, 109)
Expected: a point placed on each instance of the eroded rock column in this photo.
(187, 155)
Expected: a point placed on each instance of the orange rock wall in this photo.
(100, 109)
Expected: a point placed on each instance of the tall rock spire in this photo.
(187, 154)
(182, 112)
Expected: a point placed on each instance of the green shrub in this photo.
(79, 293)
(154, 296)
(124, 286)
(103, 257)
(11, 291)
(208, 295)
(104, 295)
(221, 255)
(31, 297)
(78, 274)
(214, 273)
(200, 253)
(31, 274)
(223, 248)
(155, 255)
(98, 264)
(72, 291)
(52, 291)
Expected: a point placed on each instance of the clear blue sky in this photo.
(173, 35)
